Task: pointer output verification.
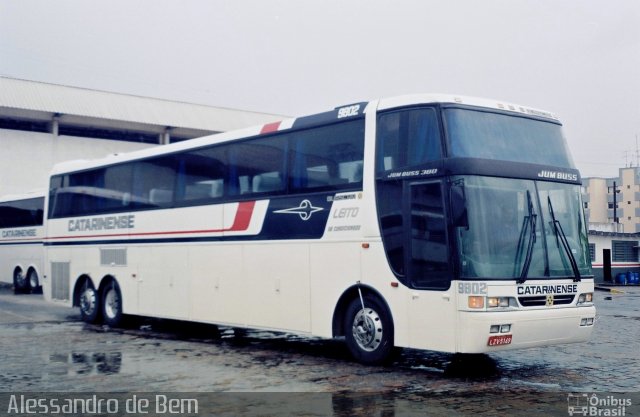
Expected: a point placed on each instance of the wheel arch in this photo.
(106, 280)
(33, 268)
(343, 303)
(16, 268)
(77, 288)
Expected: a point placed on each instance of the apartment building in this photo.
(613, 204)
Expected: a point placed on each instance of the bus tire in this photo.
(89, 303)
(20, 283)
(34, 282)
(369, 331)
(112, 304)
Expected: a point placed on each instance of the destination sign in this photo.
(547, 289)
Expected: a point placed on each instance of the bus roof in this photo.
(22, 196)
(408, 100)
(355, 109)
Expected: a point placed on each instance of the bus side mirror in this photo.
(458, 202)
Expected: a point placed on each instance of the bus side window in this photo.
(407, 138)
(153, 183)
(202, 174)
(260, 165)
(328, 157)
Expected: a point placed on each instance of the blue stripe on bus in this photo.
(37, 242)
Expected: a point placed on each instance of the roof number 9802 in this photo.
(348, 111)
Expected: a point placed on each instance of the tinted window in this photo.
(477, 134)
(102, 190)
(391, 223)
(21, 213)
(429, 248)
(407, 138)
(258, 166)
(154, 183)
(329, 157)
(202, 174)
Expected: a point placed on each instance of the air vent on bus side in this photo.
(60, 280)
(113, 257)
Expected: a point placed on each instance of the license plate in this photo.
(499, 340)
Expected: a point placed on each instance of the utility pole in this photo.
(615, 203)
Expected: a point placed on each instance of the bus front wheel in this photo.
(369, 330)
(89, 303)
(112, 304)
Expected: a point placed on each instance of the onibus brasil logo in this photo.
(597, 405)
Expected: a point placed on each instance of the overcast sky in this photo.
(577, 58)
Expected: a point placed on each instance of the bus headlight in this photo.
(585, 298)
(503, 302)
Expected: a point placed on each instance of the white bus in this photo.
(432, 222)
(21, 232)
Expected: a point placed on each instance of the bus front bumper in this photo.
(523, 329)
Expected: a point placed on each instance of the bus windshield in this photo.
(520, 238)
(487, 135)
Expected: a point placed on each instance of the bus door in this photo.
(428, 266)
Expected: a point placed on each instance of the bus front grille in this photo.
(60, 280)
(541, 300)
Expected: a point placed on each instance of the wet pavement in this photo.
(46, 348)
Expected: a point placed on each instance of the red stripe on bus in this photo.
(243, 216)
(270, 127)
(241, 223)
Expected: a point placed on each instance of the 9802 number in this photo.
(472, 288)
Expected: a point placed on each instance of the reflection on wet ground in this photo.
(153, 355)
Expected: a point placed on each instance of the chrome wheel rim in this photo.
(20, 279)
(88, 301)
(33, 279)
(367, 329)
(111, 304)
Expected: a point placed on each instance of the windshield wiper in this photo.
(529, 222)
(561, 237)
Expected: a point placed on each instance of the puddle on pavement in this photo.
(99, 363)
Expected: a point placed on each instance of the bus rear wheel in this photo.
(20, 282)
(369, 331)
(112, 304)
(34, 282)
(89, 303)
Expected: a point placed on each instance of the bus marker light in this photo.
(588, 321)
(365, 246)
(499, 340)
(394, 284)
(476, 301)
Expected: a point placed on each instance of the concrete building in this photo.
(612, 208)
(608, 199)
(42, 124)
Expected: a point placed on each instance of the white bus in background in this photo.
(21, 233)
(432, 222)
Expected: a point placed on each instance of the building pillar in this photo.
(165, 137)
(55, 124)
